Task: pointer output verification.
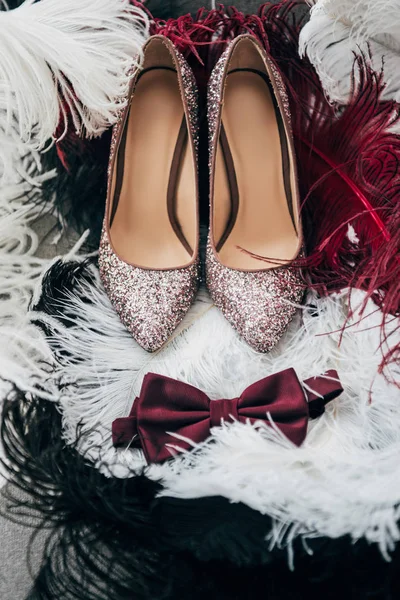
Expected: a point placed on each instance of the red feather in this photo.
(348, 157)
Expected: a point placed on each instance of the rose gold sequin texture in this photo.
(191, 97)
(258, 304)
(151, 303)
(214, 102)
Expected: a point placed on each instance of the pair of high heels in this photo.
(149, 250)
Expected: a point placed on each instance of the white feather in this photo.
(75, 54)
(339, 29)
(345, 479)
(25, 356)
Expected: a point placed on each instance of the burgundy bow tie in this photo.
(167, 407)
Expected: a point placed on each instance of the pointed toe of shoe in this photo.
(258, 304)
(263, 330)
(151, 304)
(150, 328)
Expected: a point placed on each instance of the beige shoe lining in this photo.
(263, 225)
(142, 231)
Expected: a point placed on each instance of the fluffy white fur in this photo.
(345, 479)
(73, 55)
(340, 28)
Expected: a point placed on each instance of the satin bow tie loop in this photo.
(167, 407)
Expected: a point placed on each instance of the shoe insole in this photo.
(263, 224)
(142, 232)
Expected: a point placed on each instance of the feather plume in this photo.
(349, 160)
(47, 50)
(340, 28)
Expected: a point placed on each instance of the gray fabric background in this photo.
(17, 565)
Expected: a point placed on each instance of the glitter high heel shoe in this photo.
(254, 199)
(148, 256)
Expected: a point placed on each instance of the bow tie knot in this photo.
(223, 410)
(166, 407)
